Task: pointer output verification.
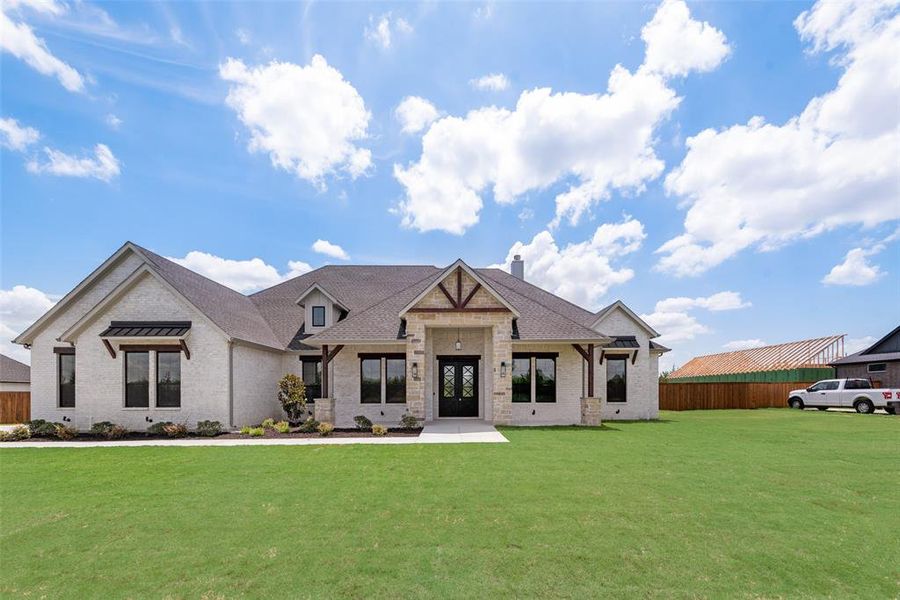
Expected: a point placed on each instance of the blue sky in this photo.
(729, 170)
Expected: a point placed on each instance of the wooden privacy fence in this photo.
(15, 407)
(709, 395)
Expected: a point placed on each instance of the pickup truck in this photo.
(846, 393)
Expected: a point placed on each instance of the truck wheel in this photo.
(796, 403)
(864, 407)
(891, 410)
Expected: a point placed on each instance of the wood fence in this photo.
(15, 407)
(709, 395)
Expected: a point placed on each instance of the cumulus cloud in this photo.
(583, 272)
(245, 276)
(763, 185)
(744, 344)
(678, 44)
(415, 114)
(603, 141)
(308, 119)
(855, 269)
(19, 308)
(381, 30)
(495, 82)
(17, 38)
(15, 136)
(328, 249)
(103, 165)
(671, 317)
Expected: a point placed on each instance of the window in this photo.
(66, 380)
(616, 383)
(521, 379)
(544, 379)
(312, 377)
(825, 386)
(395, 380)
(876, 367)
(168, 379)
(137, 379)
(318, 316)
(370, 381)
(857, 384)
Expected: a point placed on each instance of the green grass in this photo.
(736, 504)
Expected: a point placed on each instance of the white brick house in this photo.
(143, 339)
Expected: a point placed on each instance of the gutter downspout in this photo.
(231, 384)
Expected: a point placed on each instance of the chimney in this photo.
(517, 268)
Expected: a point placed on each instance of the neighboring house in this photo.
(14, 376)
(879, 363)
(806, 360)
(143, 339)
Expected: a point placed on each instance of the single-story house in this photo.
(15, 376)
(880, 362)
(143, 339)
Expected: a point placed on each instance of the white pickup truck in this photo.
(846, 393)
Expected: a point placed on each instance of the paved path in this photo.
(440, 432)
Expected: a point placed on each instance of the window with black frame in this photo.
(395, 380)
(370, 381)
(137, 379)
(318, 316)
(168, 379)
(66, 380)
(312, 377)
(616, 379)
(544, 379)
(521, 379)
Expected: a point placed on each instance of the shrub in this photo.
(325, 429)
(158, 428)
(282, 427)
(245, 430)
(408, 421)
(209, 428)
(309, 426)
(379, 429)
(176, 430)
(65, 432)
(257, 432)
(19, 432)
(41, 429)
(108, 430)
(268, 424)
(362, 422)
(292, 396)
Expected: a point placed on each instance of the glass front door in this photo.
(458, 395)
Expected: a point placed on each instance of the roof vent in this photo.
(517, 268)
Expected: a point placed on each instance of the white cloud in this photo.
(484, 12)
(243, 36)
(495, 82)
(19, 308)
(583, 272)
(744, 344)
(17, 137)
(19, 39)
(603, 142)
(854, 345)
(244, 276)
(306, 118)
(103, 165)
(856, 269)
(328, 249)
(381, 31)
(677, 44)
(415, 114)
(835, 164)
(113, 121)
(672, 319)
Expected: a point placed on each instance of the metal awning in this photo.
(146, 329)
(623, 341)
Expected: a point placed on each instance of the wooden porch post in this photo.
(590, 362)
(325, 371)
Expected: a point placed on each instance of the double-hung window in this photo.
(312, 377)
(65, 370)
(382, 378)
(534, 377)
(137, 379)
(318, 316)
(616, 379)
(168, 379)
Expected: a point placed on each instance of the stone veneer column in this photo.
(324, 410)
(501, 343)
(415, 354)
(590, 411)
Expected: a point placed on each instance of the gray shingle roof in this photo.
(860, 358)
(12, 371)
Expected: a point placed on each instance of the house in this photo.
(143, 339)
(879, 363)
(801, 361)
(14, 375)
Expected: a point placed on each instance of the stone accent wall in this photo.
(590, 411)
(436, 298)
(324, 411)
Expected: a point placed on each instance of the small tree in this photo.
(292, 396)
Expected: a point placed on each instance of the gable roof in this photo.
(459, 264)
(13, 371)
(887, 349)
(618, 304)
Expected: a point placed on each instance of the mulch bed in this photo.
(269, 434)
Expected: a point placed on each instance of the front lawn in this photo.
(748, 504)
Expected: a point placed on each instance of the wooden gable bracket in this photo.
(458, 286)
(109, 348)
(334, 352)
(471, 295)
(184, 348)
(449, 297)
(634, 356)
(327, 357)
(588, 356)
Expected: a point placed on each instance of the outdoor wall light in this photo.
(503, 369)
(148, 419)
(458, 341)
(415, 370)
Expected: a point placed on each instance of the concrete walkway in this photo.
(438, 432)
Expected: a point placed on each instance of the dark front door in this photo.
(459, 387)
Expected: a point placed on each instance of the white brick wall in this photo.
(256, 376)
(567, 408)
(345, 388)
